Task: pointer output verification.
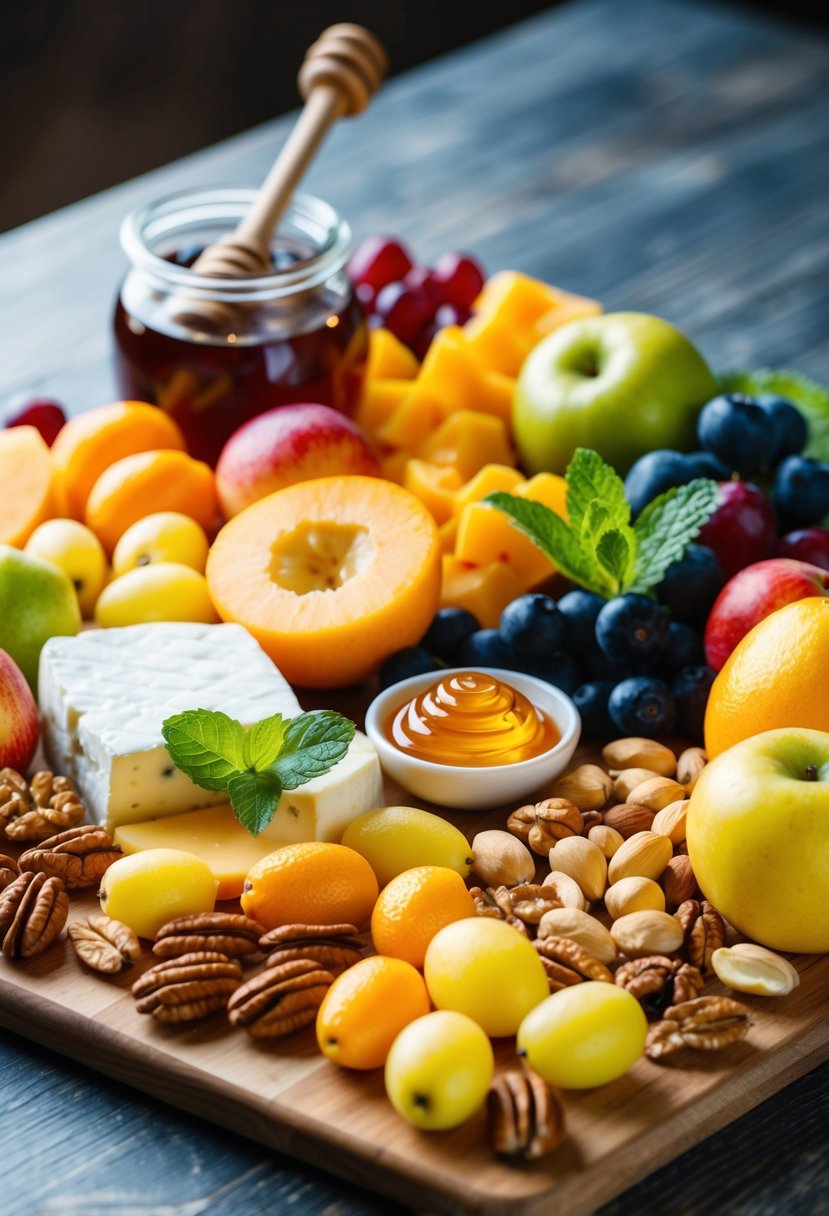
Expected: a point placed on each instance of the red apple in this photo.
(19, 721)
(289, 444)
(754, 593)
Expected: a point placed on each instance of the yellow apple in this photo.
(78, 552)
(758, 837)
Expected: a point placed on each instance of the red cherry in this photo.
(378, 261)
(451, 314)
(742, 529)
(419, 279)
(46, 416)
(459, 279)
(404, 312)
(805, 545)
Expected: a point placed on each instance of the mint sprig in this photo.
(255, 764)
(599, 548)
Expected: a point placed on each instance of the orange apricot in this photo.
(330, 576)
(147, 482)
(92, 441)
(26, 484)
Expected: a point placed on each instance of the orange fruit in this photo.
(330, 576)
(147, 482)
(92, 441)
(775, 676)
(414, 906)
(365, 1009)
(312, 883)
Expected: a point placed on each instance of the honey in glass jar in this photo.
(296, 333)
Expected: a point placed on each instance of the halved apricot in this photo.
(330, 576)
(26, 484)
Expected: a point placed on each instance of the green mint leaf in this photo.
(206, 745)
(810, 397)
(615, 551)
(254, 798)
(555, 539)
(313, 744)
(263, 742)
(590, 480)
(666, 527)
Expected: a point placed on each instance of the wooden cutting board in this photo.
(288, 1096)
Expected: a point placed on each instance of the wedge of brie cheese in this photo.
(104, 695)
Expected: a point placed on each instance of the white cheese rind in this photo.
(104, 694)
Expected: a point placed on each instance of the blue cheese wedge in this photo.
(105, 693)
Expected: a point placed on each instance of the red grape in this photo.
(458, 278)
(46, 416)
(404, 312)
(378, 261)
(805, 545)
(742, 529)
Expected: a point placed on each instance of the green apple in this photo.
(37, 602)
(622, 383)
(758, 837)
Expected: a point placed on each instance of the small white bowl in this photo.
(472, 787)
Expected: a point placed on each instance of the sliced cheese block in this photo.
(214, 834)
(104, 695)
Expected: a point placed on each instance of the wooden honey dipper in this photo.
(339, 74)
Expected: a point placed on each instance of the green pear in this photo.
(37, 602)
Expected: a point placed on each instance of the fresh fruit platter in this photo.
(439, 786)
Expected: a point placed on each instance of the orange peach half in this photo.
(330, 576)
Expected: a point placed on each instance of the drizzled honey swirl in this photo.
(471, 719)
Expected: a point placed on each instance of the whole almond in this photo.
(580, 927)
(567, 890)
(634, 752)
(747, 967)
(678, 881)
(657, 792)
(628, 819)
(639, 934)
(501, 860)
(588, 787)
(608, 839)
(584, 862)
(670, 821)
(644, 855)
(689, 766)
(634, 895)
(627, 781)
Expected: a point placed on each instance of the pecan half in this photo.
(33, 911)
(9, 870)
(540, 825)
(227, 933)
(707, 1023)
(567, 963)
(658, 981)
(281, 999)
(33, 810)
(495, 902)
(80, 856)
(525, 1115)
(704, 931)
(332, 947)
(104, 944)
(187, 988)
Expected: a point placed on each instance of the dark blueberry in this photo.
(642, 705)
(653, 474)
(559, 669)
(598, 666)
(632, 630)
(691, 584)
(411, 661)
(790, 428)
(580, 609)
(706, 464)
(690, 688)
(801, 492)
(486, 648)
(684, 647)
(533, 626)
(591, 702)
(448, 631)
(738, 431)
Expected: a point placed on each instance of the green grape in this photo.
(439, 1070)
(397, 838)
(584, 1036)
(164, 591)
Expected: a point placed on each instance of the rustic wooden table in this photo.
(660, 156)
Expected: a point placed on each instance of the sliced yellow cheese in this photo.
(214, 834)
